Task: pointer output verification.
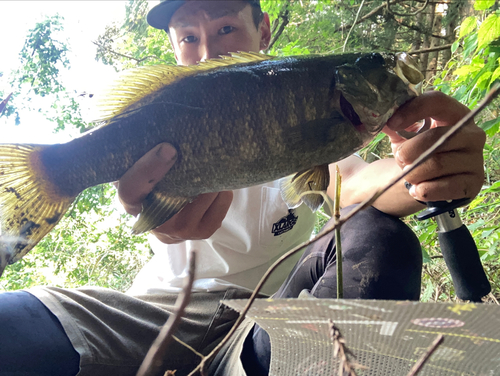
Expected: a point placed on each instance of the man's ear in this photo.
(265, 31)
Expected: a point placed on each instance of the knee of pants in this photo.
(382, 258)
(32, 340)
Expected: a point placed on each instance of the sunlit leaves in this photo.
(42, 56)
(468, 25)
(488, 31)
(134, 43)
(483, 4)
(37, 84)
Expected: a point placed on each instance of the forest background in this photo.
(457, 43)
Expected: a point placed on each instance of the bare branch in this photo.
(366, 16)
(432, 49)
(416, 28)
(127, 56)
(4, 103)
(338, 244)
(407, 14)
(154, 362)
(354, 24)
(342, 352)
(285, 17)
(420, 363)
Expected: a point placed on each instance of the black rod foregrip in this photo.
(462, 259)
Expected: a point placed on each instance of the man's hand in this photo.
(198, 220)
(456, 170)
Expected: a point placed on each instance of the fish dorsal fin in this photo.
(136, 83)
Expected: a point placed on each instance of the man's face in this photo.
(201, 30)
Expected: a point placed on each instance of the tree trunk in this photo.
(429, 21)
(417, 38)
(432, 63)
(451, 22)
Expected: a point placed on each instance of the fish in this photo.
(237, 121)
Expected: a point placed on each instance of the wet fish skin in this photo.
(233, 126)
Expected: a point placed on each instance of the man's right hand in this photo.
(198, 220)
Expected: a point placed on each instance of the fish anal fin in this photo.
(305, 187)
(157, 208)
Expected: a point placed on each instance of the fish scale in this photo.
(235, 122)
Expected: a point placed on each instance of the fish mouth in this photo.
(348, 111)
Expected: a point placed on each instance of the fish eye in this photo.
(226, 30)
(189, 39)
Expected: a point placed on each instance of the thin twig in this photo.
(285, 17)
(128, 56)
(4, 103)
(432, 49)
(365, 17)
(154, 362)
(342, 352)
(363, 205)
(353, 25)
(338, 244)
(420, 363)
(493, 297)
(416, 28)
(407, 14)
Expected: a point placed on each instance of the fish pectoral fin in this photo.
(29, 205)
(157, 208)
(306, 186)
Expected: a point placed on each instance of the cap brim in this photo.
(159, 16)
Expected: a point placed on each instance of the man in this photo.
(51, 331)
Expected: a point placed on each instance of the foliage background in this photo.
(456, 42)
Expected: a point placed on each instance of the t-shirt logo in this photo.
(285, 224)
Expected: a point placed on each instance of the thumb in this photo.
(139, 180)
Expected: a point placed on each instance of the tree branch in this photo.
(285, 16)
(432, 49)
(406, 14)
(366, 16)
(416, 28)
(154, 362)
(420, 363)
(127, 56)
(355, 23)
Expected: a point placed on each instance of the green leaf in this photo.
(493, 130)
(488, 31)
(468, 25)
(483, 4)
(470, 44)
(463, 70)
(489, 124)
(495, 74)
(485, 77)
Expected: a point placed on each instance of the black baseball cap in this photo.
(159, 16)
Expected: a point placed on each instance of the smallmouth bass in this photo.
(235, 122)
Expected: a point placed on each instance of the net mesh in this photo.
(388, 337)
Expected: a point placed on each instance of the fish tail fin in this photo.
(29, 204)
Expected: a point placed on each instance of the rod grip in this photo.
(462, 259)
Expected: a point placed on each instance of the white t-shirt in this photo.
(257, 230)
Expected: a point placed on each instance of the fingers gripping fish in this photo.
(235, 122)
